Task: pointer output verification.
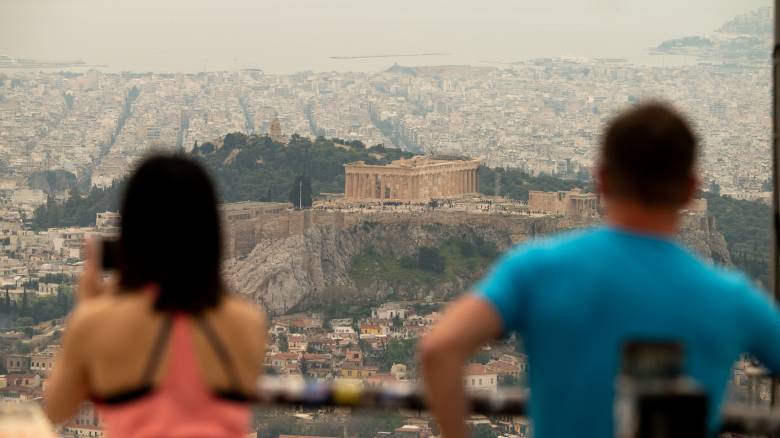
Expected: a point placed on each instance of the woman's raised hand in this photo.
(91, 283)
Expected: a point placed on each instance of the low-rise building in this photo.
(358, 372)
(477, 378)
(17, 363)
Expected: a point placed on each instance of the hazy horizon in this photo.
(285, 36)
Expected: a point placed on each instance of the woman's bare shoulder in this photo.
(247, 312)
(90, 315)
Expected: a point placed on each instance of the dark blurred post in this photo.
(775, 179)
(654, 398)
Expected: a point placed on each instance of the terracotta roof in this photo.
(316, 356)
(382, 378)
(304, 436)
(475, 369)
(502, 367)
(287, 356)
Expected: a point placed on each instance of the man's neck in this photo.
(637, 218)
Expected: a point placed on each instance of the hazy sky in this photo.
(294, 35)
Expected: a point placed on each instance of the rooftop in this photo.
(418, 161)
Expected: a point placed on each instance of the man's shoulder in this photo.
(735, 283)
(571, 242)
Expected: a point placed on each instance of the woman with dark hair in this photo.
(167, 352)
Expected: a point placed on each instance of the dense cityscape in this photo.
(540, 116)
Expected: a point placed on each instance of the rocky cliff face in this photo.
(305, 271)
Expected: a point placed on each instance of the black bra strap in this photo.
(157, 351)
(219, 348)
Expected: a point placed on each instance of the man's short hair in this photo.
(648, 155)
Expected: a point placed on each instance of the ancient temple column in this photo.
(390, 186)
(454, 189)
(393, 188)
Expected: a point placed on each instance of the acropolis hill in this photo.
(353, 254)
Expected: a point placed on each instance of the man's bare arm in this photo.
(468, 323)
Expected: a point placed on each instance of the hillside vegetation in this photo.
(746, 225)
(246, 168)
(258, 168)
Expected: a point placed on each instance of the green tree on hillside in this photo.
(245, 168)
(430, 259)
(284, 346)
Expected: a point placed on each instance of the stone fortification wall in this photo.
(243, 235)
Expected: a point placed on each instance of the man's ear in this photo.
(694, 184)
(601, 181)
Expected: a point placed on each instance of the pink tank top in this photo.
(182, 404)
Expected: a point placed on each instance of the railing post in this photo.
(654, 399)
(775, 179)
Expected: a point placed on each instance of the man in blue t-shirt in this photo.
(577, 298)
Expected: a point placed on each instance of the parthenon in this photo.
(415, 179)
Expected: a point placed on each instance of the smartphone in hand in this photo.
(109, 250)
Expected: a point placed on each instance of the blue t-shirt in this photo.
(577, 298)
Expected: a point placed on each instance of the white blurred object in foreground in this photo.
(23, 420)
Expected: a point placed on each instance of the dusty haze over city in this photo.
(284, 36)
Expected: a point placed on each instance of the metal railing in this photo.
(278, 391)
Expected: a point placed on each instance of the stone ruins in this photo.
(409, 180)
(573, 203)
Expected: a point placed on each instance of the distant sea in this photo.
(355, 63)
